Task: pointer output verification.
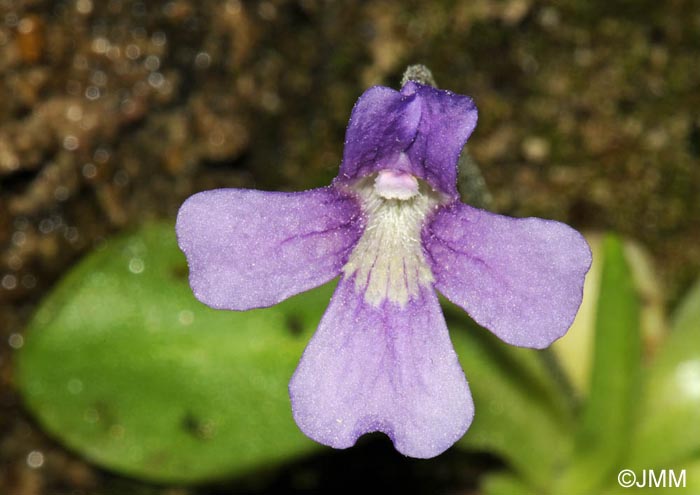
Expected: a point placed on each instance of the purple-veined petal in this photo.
(382, 368)
(383, 124)
(419, 130)
(447, 121)
(522, 278)
(248, 249)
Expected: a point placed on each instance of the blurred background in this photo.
(112, 112)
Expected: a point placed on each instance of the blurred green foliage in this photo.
(124, 366)
(607, 416)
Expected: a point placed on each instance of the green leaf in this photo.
(124, 366)
(521, 412)
(670, 429)
(575, 350)
(608, 416)
(501, 483)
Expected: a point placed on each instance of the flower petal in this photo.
(447, 121)
(386, 368)
(419, 130)
(522, 278)
(382, 125)
(248, 249)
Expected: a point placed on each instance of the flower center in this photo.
(391, 184)
(388, 262)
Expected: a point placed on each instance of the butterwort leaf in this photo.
(503, 483)
(575, 350)
(669, 431)
(125, 367)
(608, 416)
(522, 412)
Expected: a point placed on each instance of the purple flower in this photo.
(392, 226)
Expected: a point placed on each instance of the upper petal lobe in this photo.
(419, 130)
(447, 121)
(383, 125)
(249, 249)
(522, 278)
(388, 368)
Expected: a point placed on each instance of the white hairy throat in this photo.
(388, 262)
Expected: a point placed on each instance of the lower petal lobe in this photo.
(248, 249)
(389, 368)
(522, 278)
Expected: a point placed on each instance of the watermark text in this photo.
(652, 478)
